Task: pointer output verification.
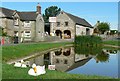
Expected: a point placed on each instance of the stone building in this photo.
(27, 26)
(67, 26)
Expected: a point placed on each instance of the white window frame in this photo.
(16, 21)
(27, 34)
(27, 25)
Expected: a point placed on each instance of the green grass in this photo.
(112, 42)
(18, 51)
(11, 72)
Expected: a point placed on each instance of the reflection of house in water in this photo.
(64, 59)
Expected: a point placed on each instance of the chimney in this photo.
(38, 9)
(98, 21)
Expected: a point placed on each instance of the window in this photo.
(66, 23)
(27, 21)
(58, 23)
(27, 34)
(16, 21)
(57, 61)
(16, 33)
(65, 61)
(27, 31)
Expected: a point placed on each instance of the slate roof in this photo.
(27, 15)
(7, 12)
(79, 20)
(23, 15)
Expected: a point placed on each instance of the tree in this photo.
(51, 11)
(103, 27)
(2, 33)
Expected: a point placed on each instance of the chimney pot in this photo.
(38, 8)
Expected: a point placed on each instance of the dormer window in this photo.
(16, 21)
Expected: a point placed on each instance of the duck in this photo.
(20, 64)
(17, 64)
(23, 65)
(37, 70)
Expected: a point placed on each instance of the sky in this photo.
(90, 11)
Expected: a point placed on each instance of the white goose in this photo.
(20, 64)
(23, 65)
(17, 64)
(37, 70)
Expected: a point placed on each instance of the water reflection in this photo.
(66, 59)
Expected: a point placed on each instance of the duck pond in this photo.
(81, 60)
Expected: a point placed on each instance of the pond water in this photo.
(81, 60)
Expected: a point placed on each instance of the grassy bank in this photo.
(11, 72)
(18, 51)
(112, 42)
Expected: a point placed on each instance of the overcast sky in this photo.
(91, 11)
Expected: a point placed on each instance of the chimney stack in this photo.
(38, 9)
(98, 21)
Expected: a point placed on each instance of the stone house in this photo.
(67, 26)
(27, 26)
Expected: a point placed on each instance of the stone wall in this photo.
(51, 38)
(81, 30)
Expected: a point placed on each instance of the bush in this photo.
(88, 40)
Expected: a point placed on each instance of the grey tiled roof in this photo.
(79, 20)
(23, 15)
(27, 15)
(7, 12)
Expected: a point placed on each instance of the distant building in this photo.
(67, 26)
(27, 26)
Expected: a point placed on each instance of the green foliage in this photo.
(112, 32)
(103, 57)
(2, 33)
(112, 42)
(98, 52)
(103, 26)
(51, 11)
(88, 50)
(88, 40)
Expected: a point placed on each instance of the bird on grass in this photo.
(20, 64)
(37, 70)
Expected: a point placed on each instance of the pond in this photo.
(81, 60)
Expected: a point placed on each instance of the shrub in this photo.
(88, 40)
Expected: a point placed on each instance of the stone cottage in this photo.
(27, 26)
(67, 26)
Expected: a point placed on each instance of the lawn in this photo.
(112, 42)
(22, 50)
(11, 72)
